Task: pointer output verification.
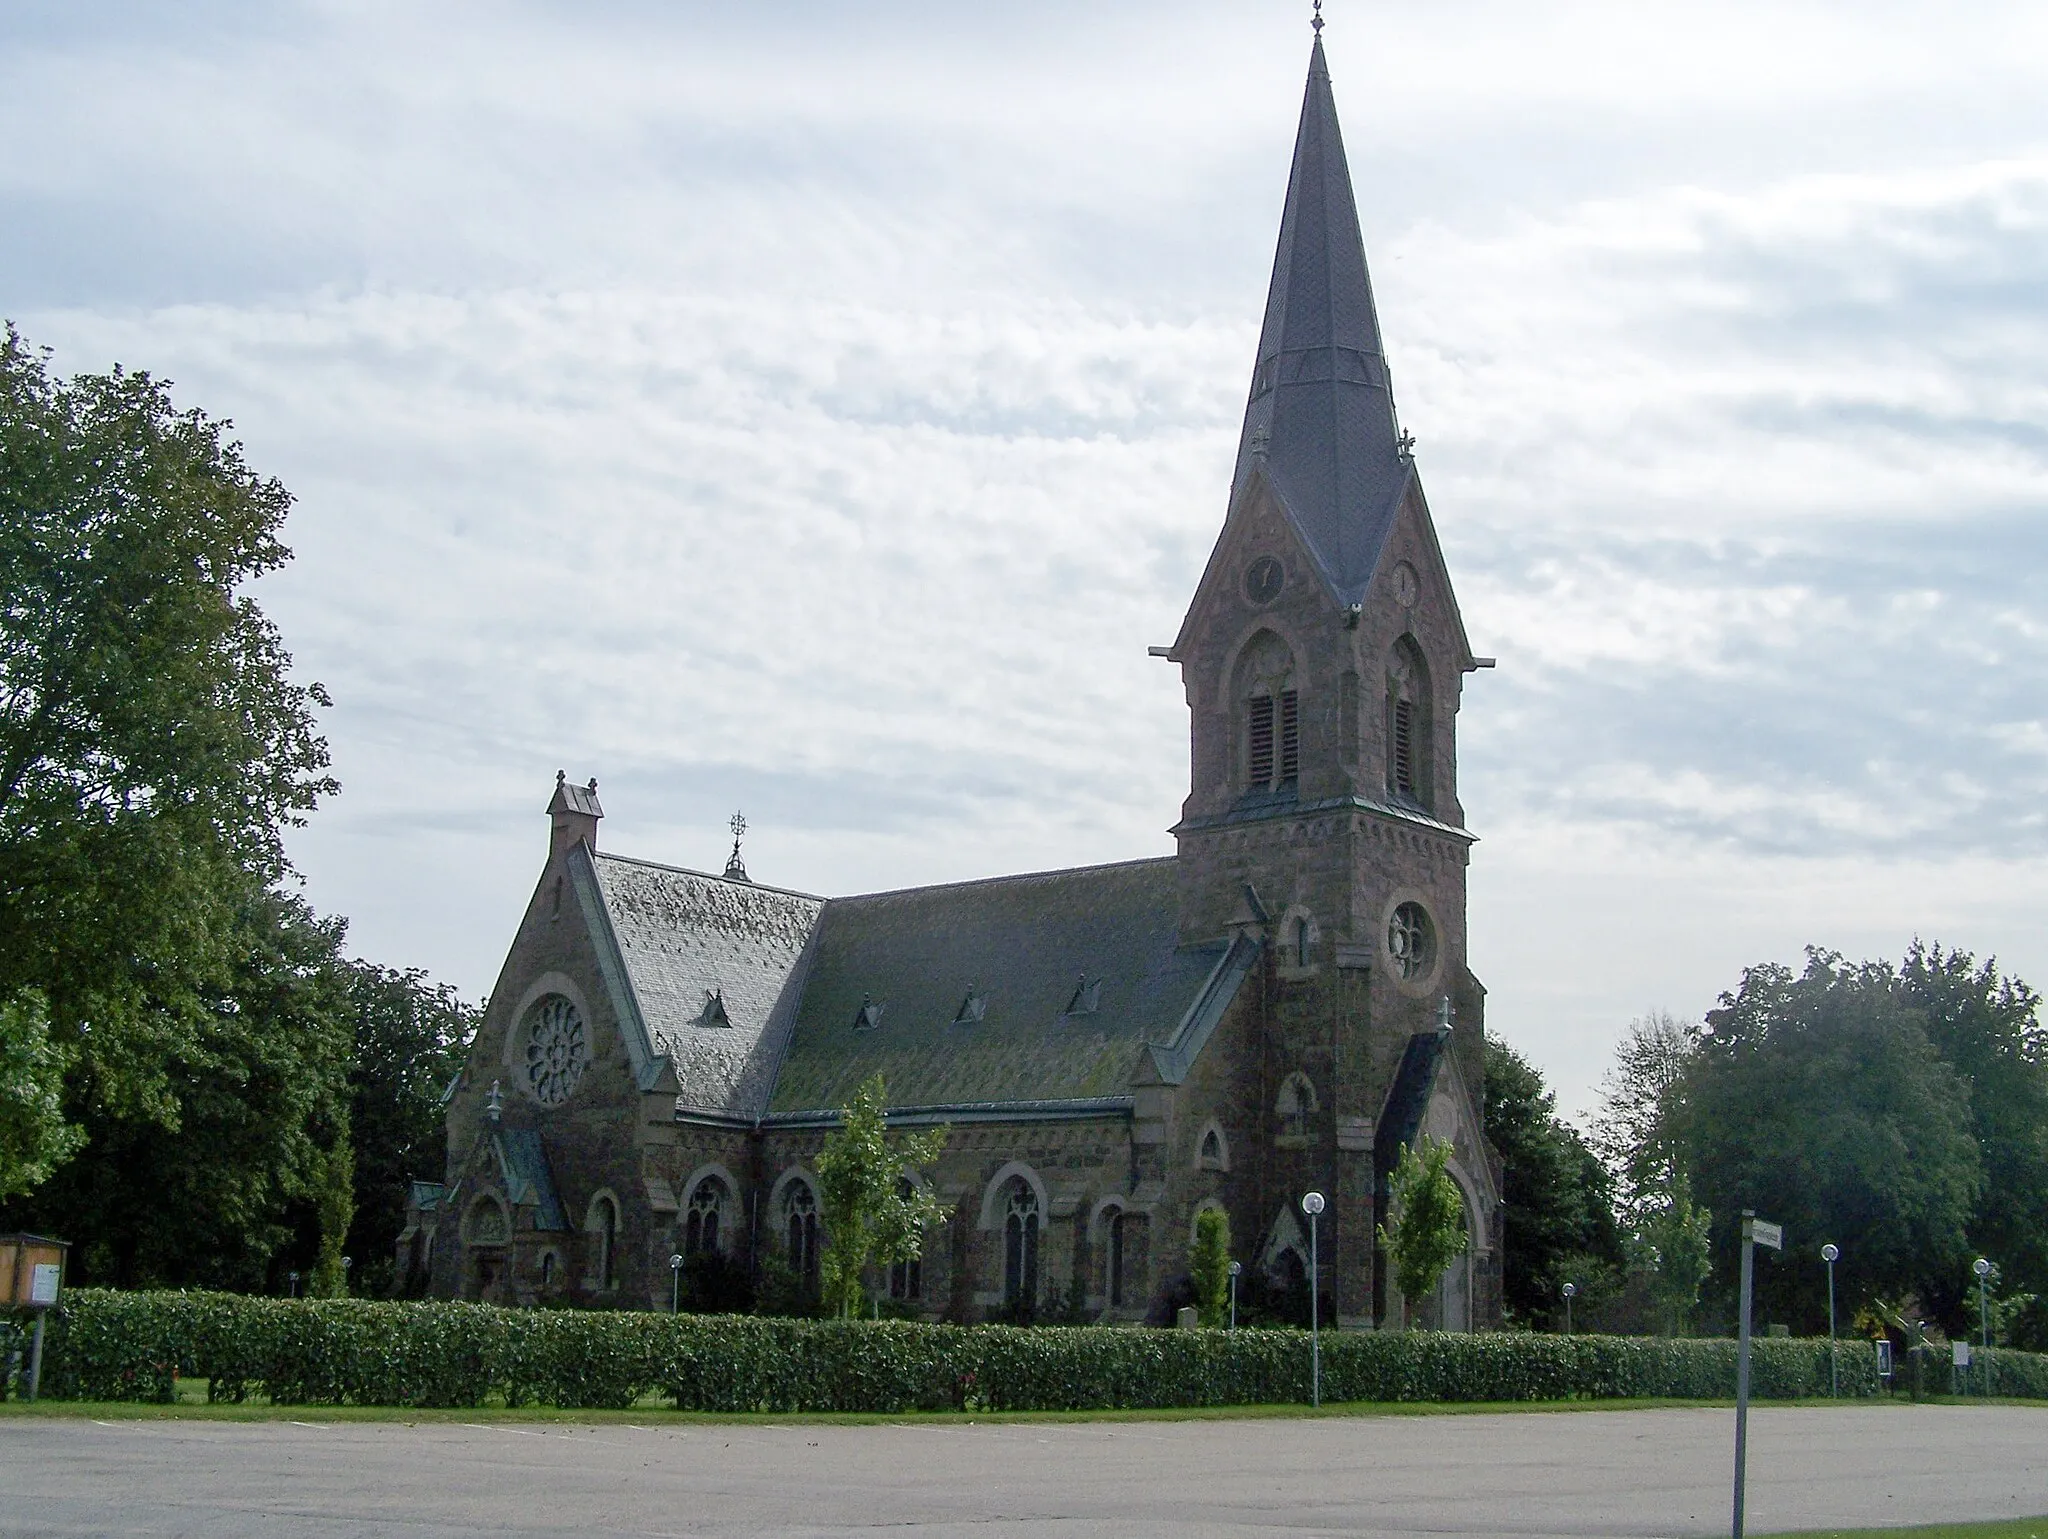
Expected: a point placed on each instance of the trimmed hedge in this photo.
(132, 1346)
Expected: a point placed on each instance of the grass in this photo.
(192, 1404)
(2004, 1528)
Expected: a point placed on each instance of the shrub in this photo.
(131, 1346)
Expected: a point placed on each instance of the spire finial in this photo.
(735, 868)
(1316, 21)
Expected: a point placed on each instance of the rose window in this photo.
(557, 1050)
(1410, 941)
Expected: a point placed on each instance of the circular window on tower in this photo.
(1411, 941)
(557, 1050)
(1264, 579)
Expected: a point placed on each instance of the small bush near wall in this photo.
(131, 1346)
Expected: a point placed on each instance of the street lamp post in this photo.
(1831, 1253)
(1571, 1291)
(675, 1285)
(1982, 1267)
(1312, 1205)
(1235, 1268)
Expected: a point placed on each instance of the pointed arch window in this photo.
(906, 1277)
(800, 1233)
(603, 1229)
(1271, 706)
(705, 1217)
(1020, 1245)
(1114, 1260)
(1408, 724)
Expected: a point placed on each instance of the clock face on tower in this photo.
(1264, 579)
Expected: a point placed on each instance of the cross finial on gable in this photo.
(735, 868)
(495, 1109)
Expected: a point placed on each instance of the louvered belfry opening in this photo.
(1290, 737)
(1404, 747)
(1261, 766)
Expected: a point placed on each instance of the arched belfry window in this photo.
(1270, 706)
(1408, 723)
(1021, 1220)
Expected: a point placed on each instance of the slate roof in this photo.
(1320, 422)
(688, 939)
(523, 1166)
(972, 990)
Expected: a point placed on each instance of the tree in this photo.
(872, 1215)
(1558, 1221)
(1637, 1133)
(1818, 1100)
(152, 742)
(409, 1038)
(1209, 1266)
(1988, 1029)
(1669, 1244)
(1428, 1229)
(34, 1138)
(253, 1175)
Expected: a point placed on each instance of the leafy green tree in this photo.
(1558, 1222)
(1209, 1266)
(1638, 1133)
(1428, 1230)
(253, 1175)
(1669, 1244)
(34, 1138)
(152, 742)
(872, 1216)
(1988, 1029)
(1818, 1100)
(409, 1037)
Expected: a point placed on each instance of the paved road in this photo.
(1580, 1473)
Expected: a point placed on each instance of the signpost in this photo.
(32, 1277)
(1831, 1253)
(1755, 1232)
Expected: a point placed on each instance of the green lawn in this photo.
(2005, 1528)
(191, 1403)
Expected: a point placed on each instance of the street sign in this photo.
(1772, 1235)
(1959, 1353)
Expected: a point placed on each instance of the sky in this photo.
(817, 410)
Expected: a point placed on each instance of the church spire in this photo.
(1320, 422)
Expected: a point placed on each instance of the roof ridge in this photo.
(1016, 876)
(709, 876)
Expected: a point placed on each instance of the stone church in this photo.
(1278, 1007)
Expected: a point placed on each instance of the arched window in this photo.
(603, 1229)
(800, 1232)
(1272, 714)
(1020, 1244)
(487, 1225)
(547, 1271)
(1295, 1104)
(706, 1212)
(1213, 1154)
(1113, 1261)
(906, 1278)
(1408, 723)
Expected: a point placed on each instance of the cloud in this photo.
(822, 416)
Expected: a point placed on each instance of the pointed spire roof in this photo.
(1320, 422)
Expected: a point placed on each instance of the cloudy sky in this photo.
(818, 409)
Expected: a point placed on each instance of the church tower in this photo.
(1323, 657)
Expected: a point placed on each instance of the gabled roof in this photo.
(523, 1168)
(1319, 427)
(1044, 989)
(711, 966)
